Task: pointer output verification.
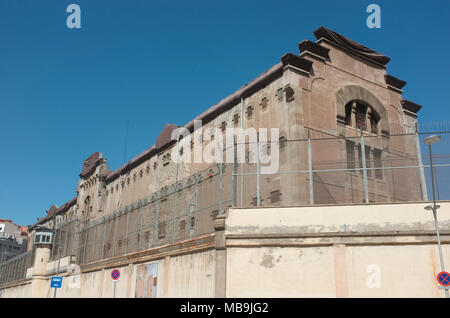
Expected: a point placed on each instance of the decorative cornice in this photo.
(90, 164)
(296, 61)
(314, 48)
(410, 106)
(201, 243)
(394, 81)
(351, 46)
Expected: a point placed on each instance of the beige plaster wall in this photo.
(335, 251)
(189, 275)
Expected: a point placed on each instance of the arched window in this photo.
(87, 206)
(361, 115)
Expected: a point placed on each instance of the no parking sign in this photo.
(444, 279)
(115, 274)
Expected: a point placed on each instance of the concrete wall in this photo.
(181, 272)
(19, 291)
(335, 251)
(378, 250)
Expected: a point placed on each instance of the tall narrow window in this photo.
(282, 143)
(264, 104)
(360, 116)
(279, 94)
(350, 147)
(161, 230)
(87, 206)
(348, 114)
(249, 112)
(374, 123)
(289, 94)
(368, 161)
(236, 119)
(358, 148)
(378, 163)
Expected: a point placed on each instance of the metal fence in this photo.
(317, 169)
(16, 268)
(360, 168)
(181, 211)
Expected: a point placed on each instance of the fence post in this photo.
(175, 200)
(86, 231)
(233, 174)
(258, 173)
(5, 273)
(115, 233)
(242, 138)
(66, 236)
(196, 210)
(311, 181)
(126, 234)
(363, 158)
(220, 187)
(2, 272)
(8, 277)
(188, 231)
(13, 270)
(22, 265)
(423, 184)
(104, 236)
(94, 255)
(54, 243)
(72, 241)
(141, 218)
(156, 220)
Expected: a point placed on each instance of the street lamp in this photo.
(429, 141)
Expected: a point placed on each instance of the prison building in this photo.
(346, 136)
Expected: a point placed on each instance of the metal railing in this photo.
(15, 269)
(319, 169)
(177, 212)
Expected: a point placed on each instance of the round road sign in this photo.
(444, 278)
(115, 274)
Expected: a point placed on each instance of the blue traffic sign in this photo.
(444, 279)
(56, 282)
(115, 274)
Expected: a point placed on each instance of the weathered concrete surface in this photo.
(380, 250)
(383, 250)
(334, 219)
(181, 272)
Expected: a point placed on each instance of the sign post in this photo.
(115, 274)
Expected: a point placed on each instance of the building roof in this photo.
(90, 164)
(350, 45)
(53, 211)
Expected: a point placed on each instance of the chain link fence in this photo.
(15, 269)
(318, 169)
(181, 211)
(358, 168)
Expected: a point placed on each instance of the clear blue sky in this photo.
(66, 93)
